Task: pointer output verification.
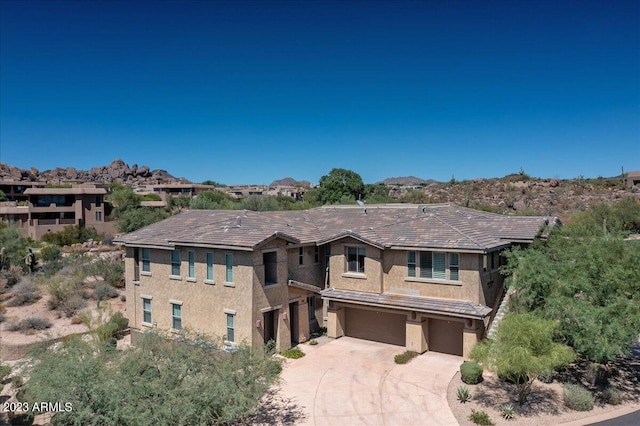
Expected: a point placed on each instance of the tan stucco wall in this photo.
(369, 282)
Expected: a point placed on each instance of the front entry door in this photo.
(293, 320)
(270, 326)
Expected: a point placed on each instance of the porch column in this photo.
(417, 335)
(335, 321)
(471, 335)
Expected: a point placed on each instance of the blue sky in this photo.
(249, 92)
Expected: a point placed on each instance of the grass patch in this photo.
(293, 353)
(405, 357)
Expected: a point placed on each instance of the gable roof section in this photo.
(435, 226)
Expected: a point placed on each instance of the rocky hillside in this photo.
(118, 171)
(520, 194)
(291, 182)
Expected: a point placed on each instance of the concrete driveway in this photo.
(356, 382)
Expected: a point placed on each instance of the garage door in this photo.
(445, 336)
(374, 325)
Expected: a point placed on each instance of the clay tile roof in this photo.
(436, 226)
(457, 308)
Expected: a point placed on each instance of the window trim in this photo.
(210, 275)
(176, 263)
(228, 262)
(316, 254)
(149, 311)
(232, 316)
(300, 256)
(191, 266)
(425, 274)
(145, 261)
(174, 317)
(359, 271)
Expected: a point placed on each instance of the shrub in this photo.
(313, 342)
(123, 298)
(546, 376)
(111, 271)
(50, 253)
(71, 234)
(293, 353)
(577, 397)
(5, 370)
(72, 304)
(405, 357)
(108, 331)
(471, 373)
(480, 418)
(612, 396)
(507, 411)
(25, 293)
(463, 394)
(32, 323)
(2, 312)
(597, 374)
(105, 291)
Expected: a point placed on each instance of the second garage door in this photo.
(375, 325)
(445, 336)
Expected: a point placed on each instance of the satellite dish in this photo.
(360, 202)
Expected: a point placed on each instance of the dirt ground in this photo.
(545, 405)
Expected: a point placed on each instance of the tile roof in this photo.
(436, 226)
(432, 305)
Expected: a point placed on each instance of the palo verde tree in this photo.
(340, 185)
(524, 348)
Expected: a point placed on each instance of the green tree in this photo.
(524, 348)
(212, 200)
(378, 193)
(213, 183)
(3, 196)
(123, 198)
(157, 382)
(340, 185)
(136, 218)
(15, 244)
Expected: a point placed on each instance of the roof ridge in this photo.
(457, 230)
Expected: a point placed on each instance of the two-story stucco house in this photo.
(424, 277)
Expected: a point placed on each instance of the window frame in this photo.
(360, 252)
(176, 261)
(145, 260)
(231, 329)
(228, 262)
(300, 256)
(191, 268)
(147, 311)
(210, 277)
(316, 254)
(423, 265)
(175, 317)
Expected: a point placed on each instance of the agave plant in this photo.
(507, 411)
(463, 394)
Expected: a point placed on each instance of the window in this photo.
(146, 260)
(98, 202)
(98, 216)
(136, 265)
(192, 264)
(209, 266)
(311, 306)
(454, 266)
(175, 263)
(270, 260)
(300, 256)
(146, 310)
(430, 265)
(176, 316)
(228, 260)
(316, 254)
(231, 328)
(355, 259)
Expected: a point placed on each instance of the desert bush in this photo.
(71, 234)
(123, 298)
(507, 411)
(105, 291)
(471, 373)
(480, 418)
(12, 275)
(2, 312)
(72, 305)
(5, 370)
(597, 374)
(111, 271)
(313, 342)
(405, 357)
(577, 397)
(546, 375)
(67, 294)
(31, 323)
(24, 293)
(463, 394)
(50, 253)
(293, 353)
(108, 331)
(612, 396)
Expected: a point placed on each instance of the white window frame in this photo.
(228, 264)
(147, 311)
(176, 260)
(174, 317)
(232, 317)
(191, 268)
(145, 260)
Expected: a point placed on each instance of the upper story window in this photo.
(270, 260)
(146, 310)
(316, 254)
(228, 261)
(191, 255)
(175, 262)
(433, 265)
(209, 266)
(300, 256)
(355, 259)
(98, 202)
(146, 260)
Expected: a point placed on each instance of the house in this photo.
(632, 178)
(424, 277)
(51, 209)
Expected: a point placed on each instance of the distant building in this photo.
(633, 178)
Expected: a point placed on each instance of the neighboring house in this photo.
(41, 210)
(424, 277)
(633, 178)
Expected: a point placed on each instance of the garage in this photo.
(379, 326)
(445, 336)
